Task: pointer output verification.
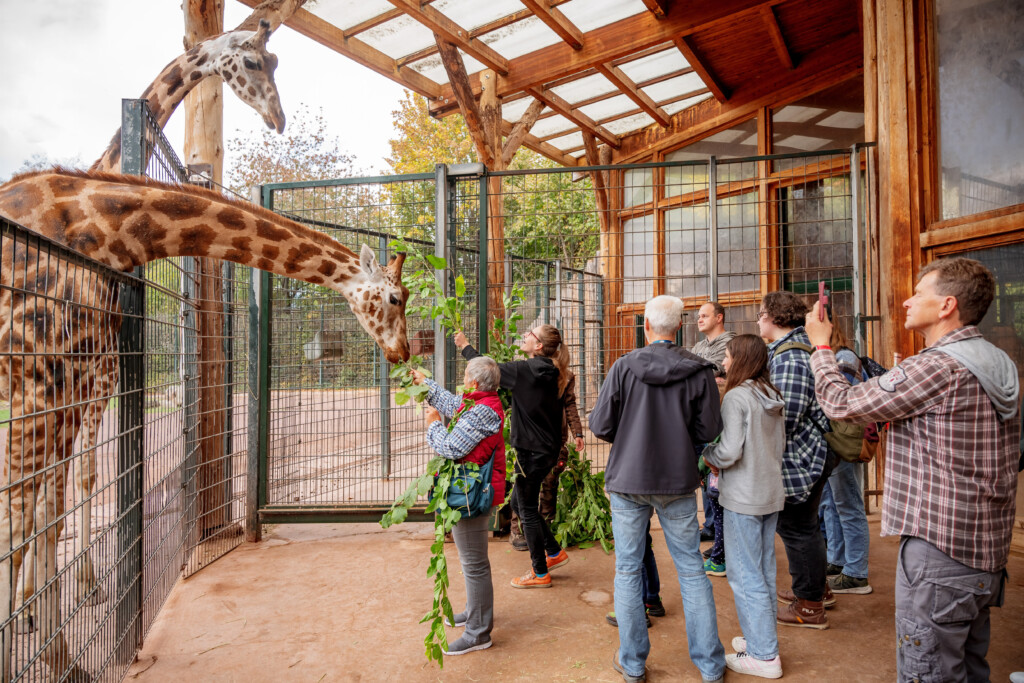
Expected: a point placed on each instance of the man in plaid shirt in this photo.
(950, 470)
(806, 462)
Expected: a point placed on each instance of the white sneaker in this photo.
(743, 663)
(739, 643)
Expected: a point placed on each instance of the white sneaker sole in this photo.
(481, 646)
(730, 663)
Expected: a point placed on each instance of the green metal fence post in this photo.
(131, 441)
(441, 251)
(582, 293)
(481, 294)
(259, 391)
(385, 388)
(547, 293)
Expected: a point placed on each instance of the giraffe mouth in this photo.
(275, 121)
(397, 356)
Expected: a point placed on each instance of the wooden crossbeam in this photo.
(308, 24)
(453, 33)
(685, 45)
(624, 83)
(656, 7)
(579, 118)
(456, 70)
(778, 40)
(531, 142)
(611, 42)
(520, 131)
(556, 21)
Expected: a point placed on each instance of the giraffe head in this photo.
(248, 69)
(378, 300)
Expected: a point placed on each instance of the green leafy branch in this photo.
(583, 515)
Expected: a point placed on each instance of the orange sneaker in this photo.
(531, 580)
(559, 560)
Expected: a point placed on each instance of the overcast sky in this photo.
(65, 65)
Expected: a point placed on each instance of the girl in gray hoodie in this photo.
(748, 459)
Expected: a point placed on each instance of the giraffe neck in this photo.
(124, 222)
(168, 90)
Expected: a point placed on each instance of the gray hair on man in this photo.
(664, 314)
(484, 371)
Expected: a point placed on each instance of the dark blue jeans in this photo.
(718, 547)
(649, 576)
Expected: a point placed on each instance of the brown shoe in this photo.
(786, 596)
(803, 614)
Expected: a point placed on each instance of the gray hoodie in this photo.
(993, 368)
(750, 452)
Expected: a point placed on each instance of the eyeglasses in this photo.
(762, 314)
(528, 333)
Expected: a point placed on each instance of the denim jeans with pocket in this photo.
(678, 517)
(846, 523)
(750, 546)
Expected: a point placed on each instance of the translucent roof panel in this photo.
(551, 125)
(348, 13)
(652, 66)
(399, 37)
(584, 88)
(590, 14)
(610, 107)
(470, 14)
(677, 107)
(432, 68)
(520, 38)
(629, 124)
(674, 86)
(570, 141)
(514, 110)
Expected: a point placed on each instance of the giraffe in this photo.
(59, 321)
(241, 59)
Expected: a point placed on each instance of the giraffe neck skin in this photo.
(125, 222)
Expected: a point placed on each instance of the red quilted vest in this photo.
(494, 442)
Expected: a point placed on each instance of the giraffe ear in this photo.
(259, 39)
(368, 260)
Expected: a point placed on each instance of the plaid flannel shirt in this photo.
(474, 425)
(806, 449)
(950, 465)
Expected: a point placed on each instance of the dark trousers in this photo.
(650, 580)
(709, 519)
(539, 538)
(548, 499)
(805, 545)
(715, 513)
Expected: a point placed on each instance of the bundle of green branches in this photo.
(583, 515)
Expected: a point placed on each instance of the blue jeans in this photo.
(846, 523)
(678, 516)
(750, 545)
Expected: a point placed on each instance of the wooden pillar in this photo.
(204, 124)
(899, 156)
(490, 120)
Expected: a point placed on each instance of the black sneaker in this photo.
(610, 618)
(706, 535)
(460, 620)
(464, 646)
(707, 553)
(849, 584)
(833, 570)
(655, 608)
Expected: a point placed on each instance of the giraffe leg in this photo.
(87, 590)
(12, 533)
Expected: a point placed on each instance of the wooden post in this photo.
(490, 122)
(204, 124)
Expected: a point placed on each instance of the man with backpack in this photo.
(950, 470)
(806, 462)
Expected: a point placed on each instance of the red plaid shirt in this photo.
(951, 465)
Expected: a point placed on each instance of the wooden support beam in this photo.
(456, 69)
(453, 33)
(624, 83)
(490, 119)
(771, 22)
(656, 7)
(330, 36)
(685, 45)
(627, 36)
(520, 131)
(579, 118)
(540, 147)
(557, 22)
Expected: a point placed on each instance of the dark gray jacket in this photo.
(655, 404)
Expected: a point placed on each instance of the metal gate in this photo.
(336, 446)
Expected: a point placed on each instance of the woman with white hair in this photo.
(475, 436)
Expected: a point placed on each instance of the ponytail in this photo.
(554, 348)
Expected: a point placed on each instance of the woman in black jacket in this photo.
(538, 389)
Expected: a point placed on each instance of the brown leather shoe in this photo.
(786, 596)
(803, 614)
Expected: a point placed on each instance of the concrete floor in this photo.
(342, 603)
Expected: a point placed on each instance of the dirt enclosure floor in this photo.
(342, 603)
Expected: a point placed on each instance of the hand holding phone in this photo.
(822, 300)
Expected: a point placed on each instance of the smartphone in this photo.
(822, 299)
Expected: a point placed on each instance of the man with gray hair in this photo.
(655, 405)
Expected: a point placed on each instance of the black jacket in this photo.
(655, 404)
(536, 409)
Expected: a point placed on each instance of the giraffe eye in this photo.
(250, 64)
(394, 300)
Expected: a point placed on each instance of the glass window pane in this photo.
(737, 243)
(686, 241)
(738, 141)
(981, 105)
(639, 187)
(639, 261)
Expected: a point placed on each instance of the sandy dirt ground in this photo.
(338, 602)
